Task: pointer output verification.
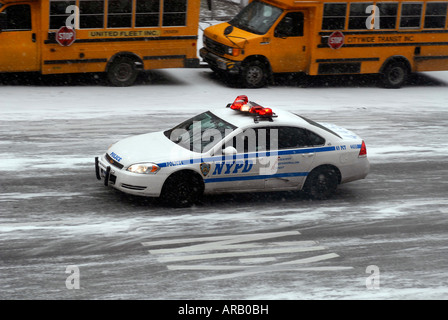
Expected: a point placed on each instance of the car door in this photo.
(18, 44)
(295, 155)
(236, 166)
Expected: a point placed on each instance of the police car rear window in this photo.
(200, 133)
(314, 123)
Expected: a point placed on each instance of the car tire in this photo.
(254, 74)
(122, 72)
(321, 183)
(181, 190)
(395, 75)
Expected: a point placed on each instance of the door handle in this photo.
(308, 155)
(33, 37)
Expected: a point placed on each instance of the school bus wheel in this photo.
(395, 74)
(254, 74)
(122, 72)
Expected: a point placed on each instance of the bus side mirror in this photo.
(3, 21)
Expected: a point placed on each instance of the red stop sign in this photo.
(336, 40)
(65, 36)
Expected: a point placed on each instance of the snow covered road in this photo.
(54, 213)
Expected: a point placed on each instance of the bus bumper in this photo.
(216, 62)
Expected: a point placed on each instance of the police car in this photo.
(243, 147)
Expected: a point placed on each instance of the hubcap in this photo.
(254, 75)
(123, 72)
(396, 75)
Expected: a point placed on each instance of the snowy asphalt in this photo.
(384, 237)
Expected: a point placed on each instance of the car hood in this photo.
(150, 147)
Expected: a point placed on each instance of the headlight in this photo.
(233, 51)
(145, 168)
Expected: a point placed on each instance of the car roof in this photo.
(245, 119)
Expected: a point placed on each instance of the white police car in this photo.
(241, 148)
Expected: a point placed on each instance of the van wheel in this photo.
(122, 72)
(254, 74)
(181, 190)
(321, 183)
(395, 75)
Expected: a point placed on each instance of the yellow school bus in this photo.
(119, 37)
(330, 37)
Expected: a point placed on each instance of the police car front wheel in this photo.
(182, 190)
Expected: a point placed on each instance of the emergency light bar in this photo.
(243, 104)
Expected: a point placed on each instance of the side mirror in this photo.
(3, 21)
(229, 151)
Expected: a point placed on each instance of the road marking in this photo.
(232, 238)
(239, 254)
(253, 272)
(257, 260)
(276, 267)
(253, 253)
(221, 245)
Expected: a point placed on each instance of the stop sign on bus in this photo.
(65, 36)
(336, 40)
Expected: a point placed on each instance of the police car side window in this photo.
(314, 139)
(246, 141)
(293, 137)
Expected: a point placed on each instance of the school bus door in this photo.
(289, 44)
(18, 43)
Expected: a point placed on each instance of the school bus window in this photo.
(435, 16)
(334, 16)
(58, 16)
(358, 15)
(147, 13)
(91, 14)
(18, 18)
(119, 14)
(290, 26)
(411, 15)
(388, 14)
(174, 13)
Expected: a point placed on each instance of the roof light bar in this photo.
(243, 104)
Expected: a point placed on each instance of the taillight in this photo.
(363, 151)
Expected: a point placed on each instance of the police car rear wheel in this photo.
(122, 72)
(321, 183)
(181, 190)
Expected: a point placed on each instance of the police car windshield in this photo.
(200, 133)
(257, 17)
